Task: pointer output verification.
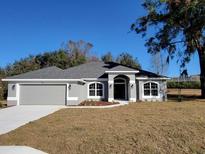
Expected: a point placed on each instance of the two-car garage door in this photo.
(42, 94)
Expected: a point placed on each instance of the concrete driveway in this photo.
(16, 116)
(19, 150)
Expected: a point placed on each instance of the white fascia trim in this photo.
(72, 98)
(42, 80)
(95, 79)
(145, 78)
(121, 71)
(12, 99)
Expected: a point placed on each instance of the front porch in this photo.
(122, 87)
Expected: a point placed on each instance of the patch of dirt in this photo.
(184, 94)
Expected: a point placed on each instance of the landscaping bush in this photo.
(2, 104)
(3, 91)
(184, 84)
(96, 103)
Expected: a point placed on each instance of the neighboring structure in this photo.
(91, 81)
(189, 78)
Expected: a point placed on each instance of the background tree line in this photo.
(69, 55)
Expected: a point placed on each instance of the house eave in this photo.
(156, 78)
(121, 71)
(95, 79)
(51, 80)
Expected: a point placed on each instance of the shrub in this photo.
(96, 103)
(184, 84)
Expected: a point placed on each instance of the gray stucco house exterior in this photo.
(91, 81)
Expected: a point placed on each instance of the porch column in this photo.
(132, 90)
(110, 88)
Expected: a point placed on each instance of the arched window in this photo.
(96, 90)
(151, 89)
(120, 81)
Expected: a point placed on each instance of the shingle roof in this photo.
(122, 68)
(88, 70)
(94, 70)
(45, 73)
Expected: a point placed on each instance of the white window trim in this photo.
(96, 97)
(150, 96)
(125, 82)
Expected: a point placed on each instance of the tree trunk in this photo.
(202, 75)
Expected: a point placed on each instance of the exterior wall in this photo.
(76, 91)
(79, 92)
(131, 86)
(162, 90)
(133, 89)
(14, 90)
(12, 99)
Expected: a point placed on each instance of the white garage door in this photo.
(38, 94)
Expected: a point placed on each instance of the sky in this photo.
(29, 27)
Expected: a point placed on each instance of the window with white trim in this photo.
(150, 89)
(96, 89)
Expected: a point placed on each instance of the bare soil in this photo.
(135, 128)
(184, 94)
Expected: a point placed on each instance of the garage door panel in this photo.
(42, 94)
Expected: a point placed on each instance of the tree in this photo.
(22, 66)
(78, 52)
(3, 87)
(180, 30)
(127, 59)
(107, 57)
(159, 64)
(57, 58)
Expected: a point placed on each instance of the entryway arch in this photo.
(121, 87)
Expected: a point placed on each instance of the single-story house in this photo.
(91, 81)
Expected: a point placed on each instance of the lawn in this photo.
(135, 128)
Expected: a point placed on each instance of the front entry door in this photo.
(119, 91)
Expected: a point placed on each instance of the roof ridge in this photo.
(83, 64)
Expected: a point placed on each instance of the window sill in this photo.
(96, 97)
